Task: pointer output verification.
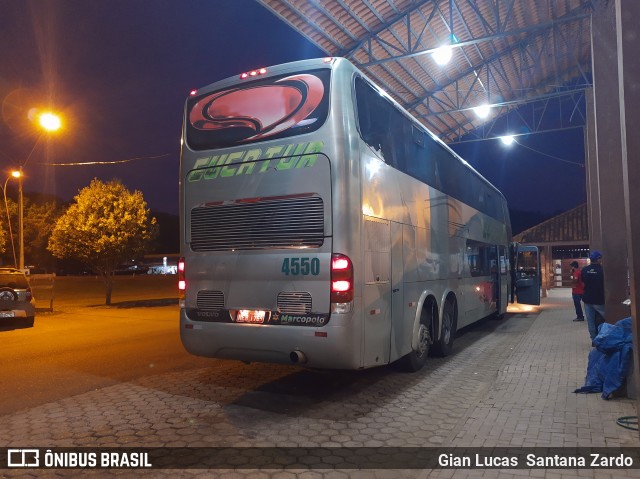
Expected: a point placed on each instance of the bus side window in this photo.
(402, 144)
(480, 258)
(381, 125)
(369, 120)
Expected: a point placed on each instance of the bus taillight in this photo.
(182, 283)
(341, 283)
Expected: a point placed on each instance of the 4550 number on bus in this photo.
(301, 266)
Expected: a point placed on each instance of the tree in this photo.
(106, 226)
(40, 215)
(3, 236)
(7, 251)
(39, 220)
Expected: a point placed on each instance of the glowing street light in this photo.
(442, 55)
(507, 140)
(50, 121)
(482, 111)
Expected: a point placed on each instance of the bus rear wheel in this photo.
(444, 345)
(416, 359)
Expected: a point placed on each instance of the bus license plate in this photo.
(251, 316)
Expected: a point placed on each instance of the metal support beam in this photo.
(543, 114)
(628, 30)
(539, 29)
(609, 160)
(546, 265)
(591, 167)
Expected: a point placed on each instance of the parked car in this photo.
(16, 299)
(132, 269)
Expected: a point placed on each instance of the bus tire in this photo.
(444, 345)
(416, 359)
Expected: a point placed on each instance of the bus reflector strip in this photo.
(413, 304)
(374, 311)
(321, 334)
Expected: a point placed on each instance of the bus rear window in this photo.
(265, 109)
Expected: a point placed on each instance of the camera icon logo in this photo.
(23, 458)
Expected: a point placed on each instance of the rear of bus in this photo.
(261, 277)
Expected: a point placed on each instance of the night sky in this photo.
(120, 71)
(541, 172)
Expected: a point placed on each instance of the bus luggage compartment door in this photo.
(377, 295)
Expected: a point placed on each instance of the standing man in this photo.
(577, 290)
(593, 297)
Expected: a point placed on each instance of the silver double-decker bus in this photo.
(321, 224)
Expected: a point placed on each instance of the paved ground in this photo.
(508, 384)
(531, 404)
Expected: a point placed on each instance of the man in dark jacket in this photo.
(593, 297)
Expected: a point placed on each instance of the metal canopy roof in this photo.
(506, 53)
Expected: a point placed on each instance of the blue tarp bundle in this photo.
(610, 359)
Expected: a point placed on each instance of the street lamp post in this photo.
(50, 122)
(18, 174)
(14, 174)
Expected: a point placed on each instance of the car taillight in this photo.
(182, 283)
(341, 279)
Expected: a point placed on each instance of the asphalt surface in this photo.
(68, 353)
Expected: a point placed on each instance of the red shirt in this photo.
(578, 285)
